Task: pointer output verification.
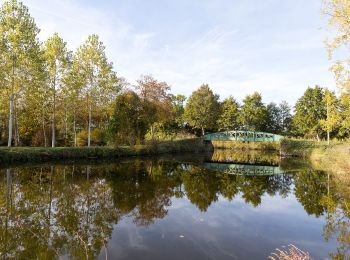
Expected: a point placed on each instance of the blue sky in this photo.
(274, 47)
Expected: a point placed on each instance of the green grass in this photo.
(300, 147)
(42, 154)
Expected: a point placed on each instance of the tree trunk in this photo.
(9, 143)
(16, 136)
(54, 118)
(75, 132)
(328, 123)
(328, 141)
(89, 127)
(203, 131)
(152, 132)
(66, 126)
(44, 130)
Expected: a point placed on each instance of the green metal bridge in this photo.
(244, 169)
(244, 136)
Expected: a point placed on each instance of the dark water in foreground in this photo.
(172, 208)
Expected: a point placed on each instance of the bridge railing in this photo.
(245, 136)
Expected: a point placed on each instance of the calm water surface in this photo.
(223, 206)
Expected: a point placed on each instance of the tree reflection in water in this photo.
(71, 210)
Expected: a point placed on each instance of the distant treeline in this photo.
(50, 96)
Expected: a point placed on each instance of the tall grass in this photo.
(336, 160)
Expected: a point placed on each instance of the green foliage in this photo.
(345, 114)
(228, 119)
(98, 137)
(202, 109)
(285, 118)
(309, 110)
(157, 102)
(128, 124)
(178, 109)
(332, 120)
(131, 123)
(254, 115)
(279, 118)
(273, 121)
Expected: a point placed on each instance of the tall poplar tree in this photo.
(98, 81)
(332, 119)
(71, 94)
(19, 53)
(57, 61)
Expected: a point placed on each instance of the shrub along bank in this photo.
(39, 154)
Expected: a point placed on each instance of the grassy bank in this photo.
(236, 145)
(300, 148)
(41, 154)
(334, 158)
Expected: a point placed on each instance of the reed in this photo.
(291, 253)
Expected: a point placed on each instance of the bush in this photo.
(82, 137)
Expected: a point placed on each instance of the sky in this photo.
(275, 47)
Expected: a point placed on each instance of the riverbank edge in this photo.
(44, 154)
(333, 158)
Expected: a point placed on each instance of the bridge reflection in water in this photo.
(239, 162)
(243, 169)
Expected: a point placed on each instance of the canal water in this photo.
(226, 205)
